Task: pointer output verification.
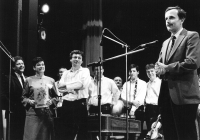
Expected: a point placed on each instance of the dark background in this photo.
(133, 21)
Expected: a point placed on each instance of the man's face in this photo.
(133, 73)
(118, 81)
(19, 66)
(76, 60)
(151, 73)
(39, 67)
(60, 73)
(173, 22)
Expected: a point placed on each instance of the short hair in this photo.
(36, 60)
(150, 66)
(16, 58)
(181, 12)
(76, 52)
(133, 66)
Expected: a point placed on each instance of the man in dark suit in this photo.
(177, 64)
(16, 110)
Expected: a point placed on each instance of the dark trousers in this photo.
(178, 120)
(17, 121)
(74, 120)
(151, 115)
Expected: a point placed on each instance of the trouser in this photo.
(74, 120)
(178, 120)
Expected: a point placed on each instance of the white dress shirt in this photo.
(153, 91)
(82, 75)
(109, 92)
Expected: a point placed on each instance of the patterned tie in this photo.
(22, 79)
(173, 38)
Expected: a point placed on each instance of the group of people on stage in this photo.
(172, 91)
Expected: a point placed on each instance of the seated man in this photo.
(118, 81)
(109, 93)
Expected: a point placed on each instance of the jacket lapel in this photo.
(177, 43)
(164, 51)
(16, 80)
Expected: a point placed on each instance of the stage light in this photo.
(45, 8)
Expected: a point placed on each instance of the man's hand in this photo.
(160, 68)
(31, 102)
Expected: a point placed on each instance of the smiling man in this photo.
(17, 111)
(151, 100)
(177, 65)
(74, 85)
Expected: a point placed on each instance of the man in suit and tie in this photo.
(16, 111)
(177, 65)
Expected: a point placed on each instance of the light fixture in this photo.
(45, 8)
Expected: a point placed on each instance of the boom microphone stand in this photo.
(3, 48)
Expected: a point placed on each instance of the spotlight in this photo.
(45, 8)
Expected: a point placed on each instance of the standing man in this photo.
(177, 64)
(151, 100)
(109, 92)
(74, 85)
(17, 111)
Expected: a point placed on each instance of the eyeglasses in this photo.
(75, 57)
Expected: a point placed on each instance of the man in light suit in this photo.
(177, 65)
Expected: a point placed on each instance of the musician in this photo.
(151, 99)
(179, 95)
(118, 82)
(109, 93)
(74, 85)
(136, 90)
(17, 110)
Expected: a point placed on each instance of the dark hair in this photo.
(150, 66)
(36, 60)
(133, 66)
(16, 58)
(76, 52)
(181, 12)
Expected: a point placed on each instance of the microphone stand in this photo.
(126, 47)
(9, 111)
(99, 63)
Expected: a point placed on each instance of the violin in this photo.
(153, 133)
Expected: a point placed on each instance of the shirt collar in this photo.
(19, 75)
(153, 80)
(177, 33)
(71, 70)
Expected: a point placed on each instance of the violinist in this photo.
(151, 100)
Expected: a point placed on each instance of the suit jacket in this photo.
(16, 106)
(182, 62)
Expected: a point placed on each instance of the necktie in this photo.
(173, 38)
(22, 79)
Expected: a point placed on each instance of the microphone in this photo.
(144, 45)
